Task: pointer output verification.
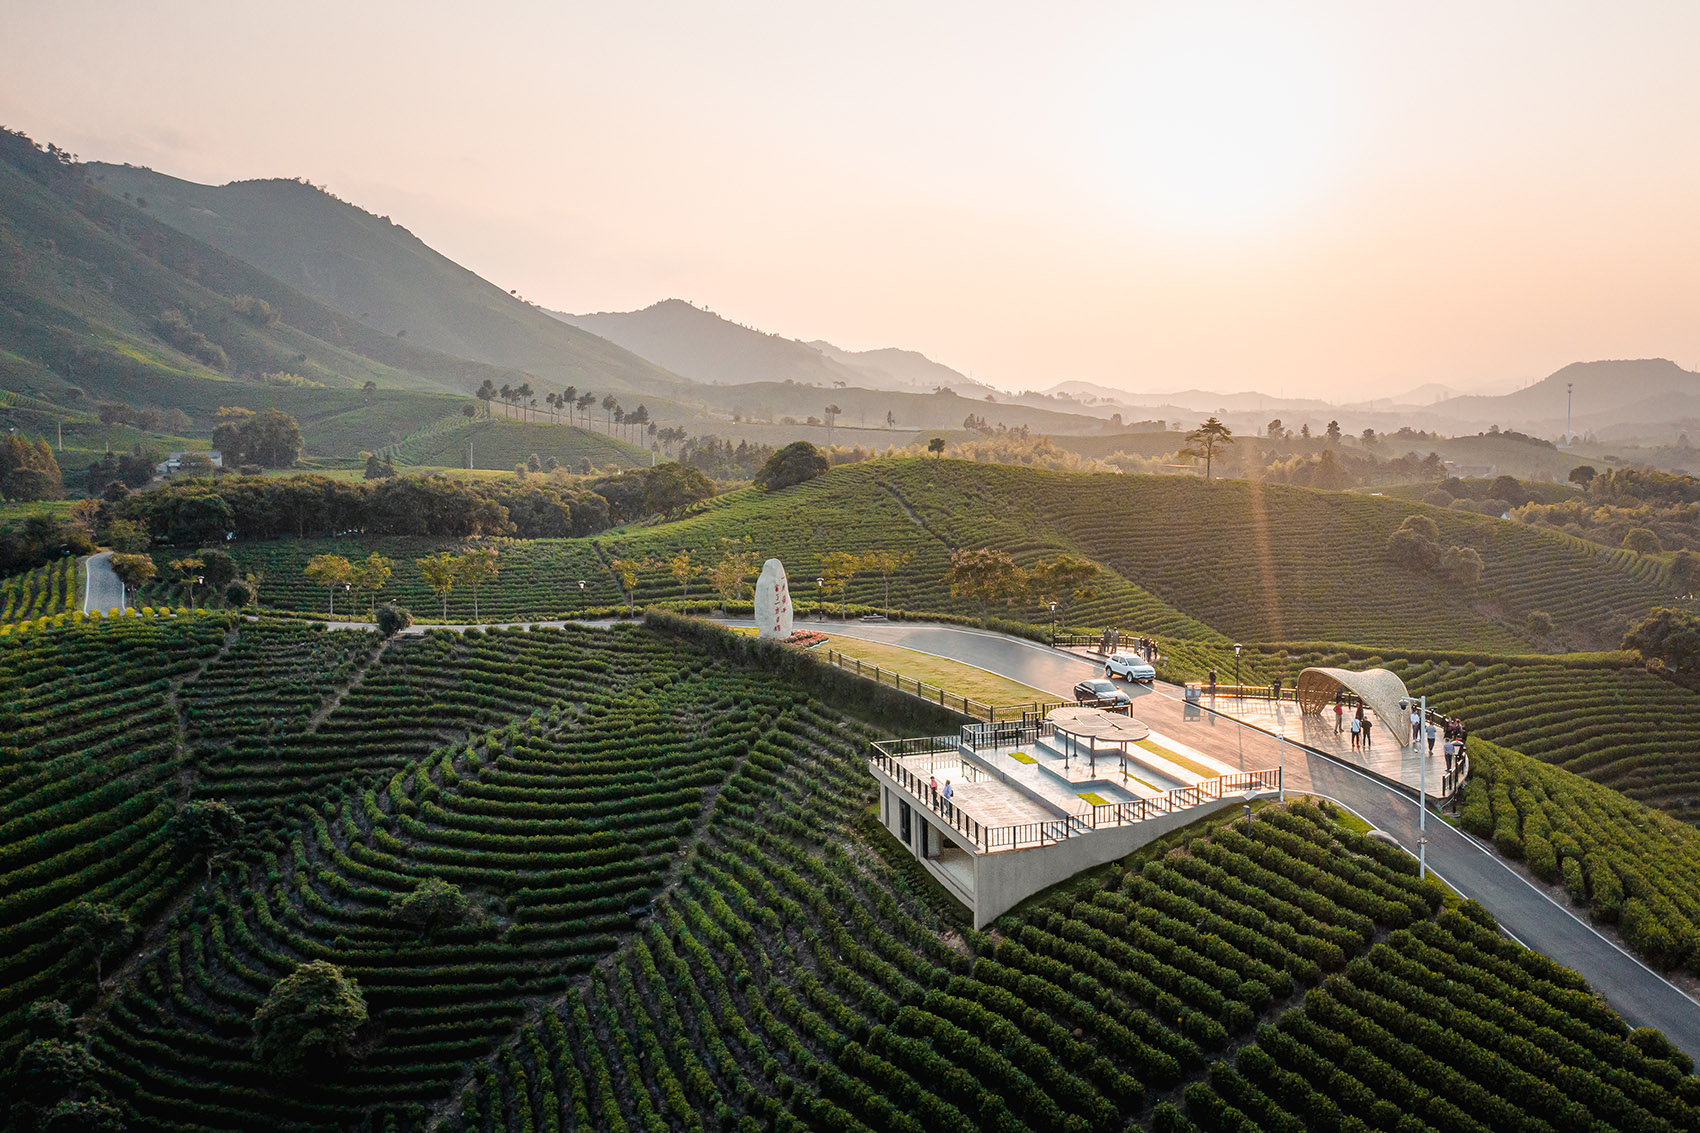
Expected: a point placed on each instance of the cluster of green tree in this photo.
(28, 470)
(253, 507)
(132, 469)
(666, 489)
(721, 460)
(1669, 640)
(1416, 545)
(797, 462)
(254, 309)
(1492, 497)
(149, 420)
(55, 1082)
(1639, 509)
(988, 576)
(1336, 468)
(37, 539)
(269, 439)
(174, 326)
(1644, 510)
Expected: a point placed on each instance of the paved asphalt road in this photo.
(1641, 995)
(101, 589)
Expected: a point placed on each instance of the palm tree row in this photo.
(633, 424)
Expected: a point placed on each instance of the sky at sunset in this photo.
(1334, 199)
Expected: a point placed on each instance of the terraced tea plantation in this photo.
(52, 589)
(538, 579)
(677, 911)
(783, 986)
(1624, 863)
(503, 444)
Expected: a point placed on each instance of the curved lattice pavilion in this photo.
(1379, 689)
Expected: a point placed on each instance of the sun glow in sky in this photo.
(1342, 198)
(1223, 123)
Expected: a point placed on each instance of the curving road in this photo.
(101, 588)
(1637, 992)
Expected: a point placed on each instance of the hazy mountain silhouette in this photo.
(1606, 393)
(892, 368)
(704, 347)
(380, 273)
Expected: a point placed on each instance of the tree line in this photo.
(251, 507)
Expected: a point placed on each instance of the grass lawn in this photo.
(952, 676)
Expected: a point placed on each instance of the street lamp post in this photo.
(820, 599)
(1422, 788)
(1053, 625)
(1246, 798)
(1237, 685)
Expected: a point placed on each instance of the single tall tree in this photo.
(308, 1021)
(132, 571)
(440, 571)
(370, 576)
(832, 412)
(885, 563)
(682, 570)
(188, 572)
(985, 576)
(476, 568)
(208, 829)
(936, 447)
(1205, 440)
(101, 927)
(626, 573)
(330, 571)
(736, 563)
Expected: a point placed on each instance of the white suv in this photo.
(1130, 666)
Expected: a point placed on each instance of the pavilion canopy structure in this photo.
(1094, 724)
(1381, 690)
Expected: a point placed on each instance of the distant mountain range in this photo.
(705, 347)
(99, 253)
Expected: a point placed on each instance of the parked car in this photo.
(1129, 666)
(1101, 690)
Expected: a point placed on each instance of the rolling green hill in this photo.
(1185, 558)
(502, 444)
(377, 274)
(86, 276)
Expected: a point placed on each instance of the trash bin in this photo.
(1194, 692)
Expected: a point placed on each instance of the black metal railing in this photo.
(990, 839)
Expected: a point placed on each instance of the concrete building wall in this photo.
(1003, 881)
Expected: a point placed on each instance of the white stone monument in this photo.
(773, 602)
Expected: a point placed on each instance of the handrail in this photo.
(990, 839)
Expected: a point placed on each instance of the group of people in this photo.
(942, 797)
(1359, 725)
(1449, 729)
